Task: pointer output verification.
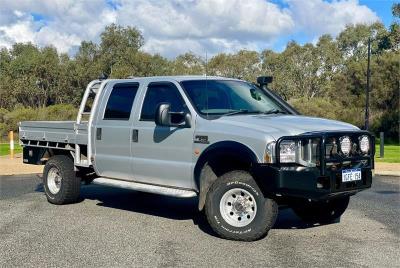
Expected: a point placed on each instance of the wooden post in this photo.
(11, 144)
(382, 145)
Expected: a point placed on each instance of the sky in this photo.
(173, 27)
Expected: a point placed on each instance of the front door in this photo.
(112, 135)
(162, 155)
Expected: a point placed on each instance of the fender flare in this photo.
(204, 175)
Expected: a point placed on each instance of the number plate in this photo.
(351, 175)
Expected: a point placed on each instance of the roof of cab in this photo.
(175, 78)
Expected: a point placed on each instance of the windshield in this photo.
(228, 97)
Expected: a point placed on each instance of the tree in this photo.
(396, 10)
(188, 64)
(117, 43)
(244, 64)
(323, 79)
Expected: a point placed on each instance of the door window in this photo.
(158, 93)
(120, 102)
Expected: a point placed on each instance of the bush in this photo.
(3, 112)
(328, 108)
(58, 112)
(389, 124)
(331, 109)
(9, 120)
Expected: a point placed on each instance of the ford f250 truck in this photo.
(235, 145)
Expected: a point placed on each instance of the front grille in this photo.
(335, 161)
(333, 150)
(327, 153)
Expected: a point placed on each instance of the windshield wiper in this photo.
(245, 111)
(241, 111)
(274, 111)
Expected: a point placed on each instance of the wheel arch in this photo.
(220, 158)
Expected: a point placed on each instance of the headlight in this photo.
(287, 152)
(364, 144)
(345, 145)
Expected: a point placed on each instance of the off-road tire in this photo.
(326, 211)
(264, 219)
(70, 184)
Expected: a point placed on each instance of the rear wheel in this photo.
(60, 183)
(326, 211)
(236, 208)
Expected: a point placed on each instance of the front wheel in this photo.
(236, 208)
(326, 211)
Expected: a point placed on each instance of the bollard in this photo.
(11, 144)
(381, 146)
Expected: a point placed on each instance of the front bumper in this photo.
(320, 182)
(308, 182)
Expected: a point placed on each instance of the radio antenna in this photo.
(206, 85)
(206, 65)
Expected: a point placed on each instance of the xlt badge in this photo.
(201, 139)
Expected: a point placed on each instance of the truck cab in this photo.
(236, 146)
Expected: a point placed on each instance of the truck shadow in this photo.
(146, 203)
(170, 207)
(287, 219)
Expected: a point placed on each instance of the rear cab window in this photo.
(119, 104)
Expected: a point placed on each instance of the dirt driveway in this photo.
(15, 166)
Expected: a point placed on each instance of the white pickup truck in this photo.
(235, 145)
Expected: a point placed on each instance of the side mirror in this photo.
(264, 80)
(164, 117)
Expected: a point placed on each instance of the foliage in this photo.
(326, 79)
(396, 10)
(327, 108)
(9, 119)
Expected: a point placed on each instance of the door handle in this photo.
(98, 133)
(135, 135)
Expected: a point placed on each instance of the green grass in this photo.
(5, 148)
(391, 154)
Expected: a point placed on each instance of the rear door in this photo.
(112, 135)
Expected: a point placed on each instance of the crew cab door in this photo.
(162, 155)
(112, 137)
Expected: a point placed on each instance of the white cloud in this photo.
(172, 27)
(20, 31)
(230, 21)
(64, 25)
(207, 25)
(316, 17)
(63, 42)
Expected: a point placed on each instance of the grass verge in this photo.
(5, 148)
(391, 155)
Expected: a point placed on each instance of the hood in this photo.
(285, 125)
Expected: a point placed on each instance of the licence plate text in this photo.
(351, 175)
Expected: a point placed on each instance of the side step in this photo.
(143, 187)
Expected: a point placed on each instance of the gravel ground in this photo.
(16, 166)
(114, 227)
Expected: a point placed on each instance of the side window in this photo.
(119, 104)
(158, 93)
